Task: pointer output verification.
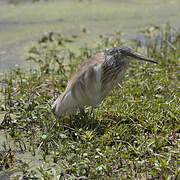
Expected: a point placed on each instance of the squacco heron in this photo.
(95, 78)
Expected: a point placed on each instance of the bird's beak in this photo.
(138, 56)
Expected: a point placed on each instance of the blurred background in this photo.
(24, 21)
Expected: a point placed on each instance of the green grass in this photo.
(133, 134)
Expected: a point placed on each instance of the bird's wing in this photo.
(82, 88)
(85, 85)
(87, 65)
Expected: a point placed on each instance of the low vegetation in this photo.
(133, 134)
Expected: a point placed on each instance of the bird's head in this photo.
(125, 53)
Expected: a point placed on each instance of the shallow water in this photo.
(23, 23)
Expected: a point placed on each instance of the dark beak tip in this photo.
(154, 61)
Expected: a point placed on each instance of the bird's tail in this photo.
(64, 105)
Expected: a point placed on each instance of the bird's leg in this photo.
(91, 112)
(82, 111)
(92, 118)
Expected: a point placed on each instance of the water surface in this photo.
(23, 23)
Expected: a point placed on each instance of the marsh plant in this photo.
(133, 134)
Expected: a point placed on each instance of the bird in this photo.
(94, 79)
